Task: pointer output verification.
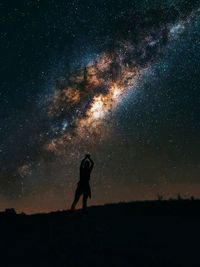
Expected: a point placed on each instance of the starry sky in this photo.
(118, 79)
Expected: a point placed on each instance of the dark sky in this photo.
(118, 79)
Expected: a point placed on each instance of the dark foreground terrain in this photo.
(159, 233)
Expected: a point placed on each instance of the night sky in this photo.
(118, 79)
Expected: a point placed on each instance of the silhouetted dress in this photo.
(84, 182)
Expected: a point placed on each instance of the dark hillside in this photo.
(157, 233)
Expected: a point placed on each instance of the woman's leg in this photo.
(85, 197)
(76, 198)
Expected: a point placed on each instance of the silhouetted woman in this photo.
(83, 187)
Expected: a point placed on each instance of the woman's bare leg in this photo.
(76, 199)
(85, 197)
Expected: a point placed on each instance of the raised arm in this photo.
(82, 162)
(91, 163)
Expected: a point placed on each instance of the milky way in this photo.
(117, 79)
(83, 102)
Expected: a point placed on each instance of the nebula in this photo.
(84, 101)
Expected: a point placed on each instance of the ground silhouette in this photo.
(154, 233)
